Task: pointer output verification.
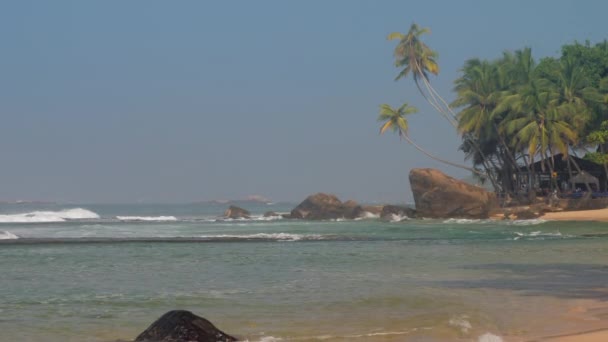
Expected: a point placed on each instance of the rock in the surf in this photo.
(183, 326)
(270, 214)
(235, 212)
(321, 206)
(438, 195)
(389, 212)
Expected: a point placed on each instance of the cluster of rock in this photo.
(436, 196)
(322, 206)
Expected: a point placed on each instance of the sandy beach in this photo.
(578, 215)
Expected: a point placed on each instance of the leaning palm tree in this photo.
(395, 120)
(419, 60)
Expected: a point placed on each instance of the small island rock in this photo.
(235, 212)
(183, 326)
(321, 206)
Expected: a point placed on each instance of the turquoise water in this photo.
(102, 273)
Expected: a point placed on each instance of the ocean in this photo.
(105, 272)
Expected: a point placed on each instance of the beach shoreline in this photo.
(598, 335)
(600, 215)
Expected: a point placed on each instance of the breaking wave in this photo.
(268, 236)
(527, 222)
(49, 216)
(398, 218)
(539, 235)
(465, 221)
(147, 218)
(278, 216)
(5, 235)
(366, 215)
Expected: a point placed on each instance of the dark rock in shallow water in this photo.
(321, 206)
(183, 326)
(270, 214)
(438, 195)
(235, 212)
(390, 211)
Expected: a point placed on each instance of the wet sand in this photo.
(591, 336)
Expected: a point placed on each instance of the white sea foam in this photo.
(147, 218)
(49, 216)
(398, 218)
(278, 216)
(537, 234)
(5, 235)
(461, 323)
(358, 336)
(366, 215)
(531, 222)
(268, 236)
(465, 221)
(488, 337)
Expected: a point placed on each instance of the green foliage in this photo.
(592, 59)
(517, 109)
(596, 157)
(413, 55)
(512, 109)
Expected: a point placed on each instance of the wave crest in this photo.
(268, 236)
(147, 218)
(49, 216)
(6, 235)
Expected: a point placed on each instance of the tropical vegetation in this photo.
(514, 111)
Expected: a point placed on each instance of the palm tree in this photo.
(418, 59)
(537, 123)
(395, 120)
(479, 90)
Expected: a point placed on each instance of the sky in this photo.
(180, 101)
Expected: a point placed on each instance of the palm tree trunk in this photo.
(605, 164)
(439, 159)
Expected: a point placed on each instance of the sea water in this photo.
(105, 272)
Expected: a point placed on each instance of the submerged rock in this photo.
(438, 195)
(183, 326)
(235, 212)
(321, 206)
(271, 214)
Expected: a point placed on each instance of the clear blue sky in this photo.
(176, 101)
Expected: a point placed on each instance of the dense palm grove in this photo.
(513, 111)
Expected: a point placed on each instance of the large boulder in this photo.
(438, 195)
(235, 212)
(321, 206)
(183, 326)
